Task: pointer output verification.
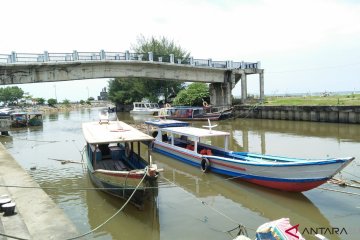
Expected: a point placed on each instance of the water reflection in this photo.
(178, 212)
(130, 224)
(266, 203)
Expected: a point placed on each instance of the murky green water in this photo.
(201, 206)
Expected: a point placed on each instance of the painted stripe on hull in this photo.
(288, 186)
(294, 185)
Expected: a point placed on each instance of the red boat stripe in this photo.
(227, 165)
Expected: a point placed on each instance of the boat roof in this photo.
(112, 132)
(18, 113)
(34, 113)
(195, 132)
(184, 107)
(164, 123)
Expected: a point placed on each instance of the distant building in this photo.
(103, 94)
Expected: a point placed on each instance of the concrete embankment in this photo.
(37, 216)
(334, 114)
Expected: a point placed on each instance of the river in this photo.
(198, 206)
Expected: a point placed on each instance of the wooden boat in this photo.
(193, 113)
(114, 161)
(35, 119)
(145, 108)
(188, 145)
(19, 119)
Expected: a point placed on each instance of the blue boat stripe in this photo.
(246, 176)
(240, 175)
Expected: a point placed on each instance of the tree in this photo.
(40, 101)
(126, 91)
(52, 102)
(11, 94)
(147, 88)
(193, 95)
(66, 102)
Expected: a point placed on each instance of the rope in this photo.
(212, 208)
(251, 109)
(32, 140)
(351, 174)
(334, 190)
(99, 226)
(102, 224)
(9, 236)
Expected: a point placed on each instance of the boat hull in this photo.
(144, 112)
(295, 177)
(120, 186)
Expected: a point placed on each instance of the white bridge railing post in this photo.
(75, 55)
(13, 57)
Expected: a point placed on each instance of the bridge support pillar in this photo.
(243, 88)
(220, 93)
(261, 78)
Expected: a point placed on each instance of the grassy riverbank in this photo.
(335, 100)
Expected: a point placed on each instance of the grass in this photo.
(335, 100)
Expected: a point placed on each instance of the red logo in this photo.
(288, 231)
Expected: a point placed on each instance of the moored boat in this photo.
(193, 113)
(19, 119)
(145, 108)
(35, 119)
(114, 160)
(188, 145)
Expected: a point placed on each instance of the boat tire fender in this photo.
(167, 105)
(205, 165)
(154, 134)
(205, 104)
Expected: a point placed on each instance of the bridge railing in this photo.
(14, 58)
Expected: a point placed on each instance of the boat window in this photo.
(165, 138)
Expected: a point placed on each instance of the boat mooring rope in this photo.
(100, 225)
(9, 236)
(241, 227)
(339, 191)
(117, 212)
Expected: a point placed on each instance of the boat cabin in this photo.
(35, 119)
(180, 135)
(114, 146)
(19, 119)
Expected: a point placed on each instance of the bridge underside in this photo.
(220, 93)
(51, 72)
(222, 81)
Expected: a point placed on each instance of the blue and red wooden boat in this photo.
(180, 141)
(114, 160)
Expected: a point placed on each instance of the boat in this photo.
(5, 123)
(35, 119)
(145, 108)
(190, 145)
(194, 113)
(6, 110)
(19, 119)
(114, 161)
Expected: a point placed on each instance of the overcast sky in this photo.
(303, 45)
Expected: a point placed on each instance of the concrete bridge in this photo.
(19, 68)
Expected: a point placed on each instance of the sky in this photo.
(304, 46)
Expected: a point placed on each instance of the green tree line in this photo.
(128, 90)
